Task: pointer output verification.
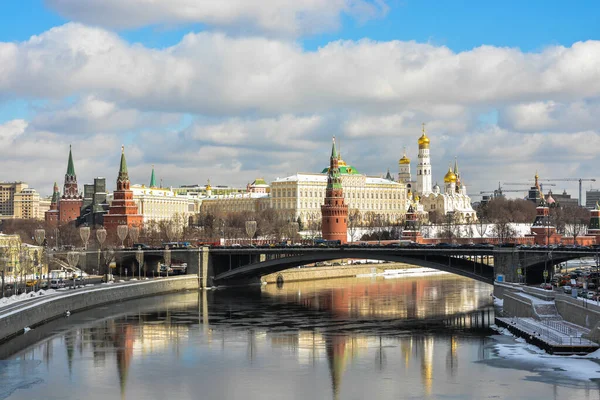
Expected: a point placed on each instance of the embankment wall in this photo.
(14, 322)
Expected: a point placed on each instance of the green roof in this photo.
(259, 181)
(123, 174)
(55, 194)
(152, 179)
(333, 150)
(344, 170)
(70, 166)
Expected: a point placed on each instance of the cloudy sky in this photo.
(232, 90)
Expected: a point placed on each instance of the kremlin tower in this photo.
(123, 210)
(51, 216)
(334, 212)
(404, 170)
(594, 226)
(424, 167)
(69, 206)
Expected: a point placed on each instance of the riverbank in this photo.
(331, 272)
(17, 320)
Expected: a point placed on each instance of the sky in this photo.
(233, 90)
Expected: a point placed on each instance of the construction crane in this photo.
(571, 180)
(529, 184)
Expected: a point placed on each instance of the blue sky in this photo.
(459, 24)
(249, 97)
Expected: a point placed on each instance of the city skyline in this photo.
(246, 93)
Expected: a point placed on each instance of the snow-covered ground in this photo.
(519, 354)
(405, 272)
(24, 296)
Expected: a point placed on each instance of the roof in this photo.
(322, 178)
(70, 165)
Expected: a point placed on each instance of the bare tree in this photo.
(354, 221)
(576, 220)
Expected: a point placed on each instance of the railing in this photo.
(561, 328)
(545, 333)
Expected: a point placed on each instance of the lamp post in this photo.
(250, 229)
(40, 237)
(167, 256)
(72, 260)
(139, 256)
(134, 234)
(122, 231)
(4, 260)
(84, 234)
(101, 236)
(293, 228)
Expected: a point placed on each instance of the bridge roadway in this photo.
(228, 265)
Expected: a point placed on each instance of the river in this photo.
(406, 338)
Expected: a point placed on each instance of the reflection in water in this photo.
(346, 338)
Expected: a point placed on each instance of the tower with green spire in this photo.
(334, 211)
(69, 206)
(123, 209)
(152, 179)
(52, 215)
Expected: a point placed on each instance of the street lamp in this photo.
(72, 260)
(167, 257)
(134, 234)
(293, 228)
(122, 231)
(4, 259)
(40, 238)
(84, 234)
(250, 229)
(101, 236)
(139, 256)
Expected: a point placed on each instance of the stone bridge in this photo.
(239, 265)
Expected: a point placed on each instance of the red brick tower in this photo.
(594, 226)
(123, 210)
(411, 229)
(69, 206)
(542, 229)
(334, 212)
(51, 216)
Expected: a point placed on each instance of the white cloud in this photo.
(552, 116)
(210, 73)
(91, 114)
(287, 17)
(11, 129)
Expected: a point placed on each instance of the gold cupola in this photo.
(404, 160)
(423, 140)
(450, 176)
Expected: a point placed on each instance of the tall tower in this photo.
(51, 216)
(334, 212)
(424, 166)
(594, 226)
(123, 210)
(404, 169)
(69, 206)
(152, 179)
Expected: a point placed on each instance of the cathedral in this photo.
(431, 198)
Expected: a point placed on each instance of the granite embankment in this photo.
(330, 272)
(14, 321)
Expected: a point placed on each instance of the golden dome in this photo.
(450, 176)
(404, 160)
(423, 141)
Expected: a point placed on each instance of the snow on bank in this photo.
(24, 296)
(527, 356)
(405, 272)
(498, 302)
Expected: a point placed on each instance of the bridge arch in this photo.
(458, 266)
